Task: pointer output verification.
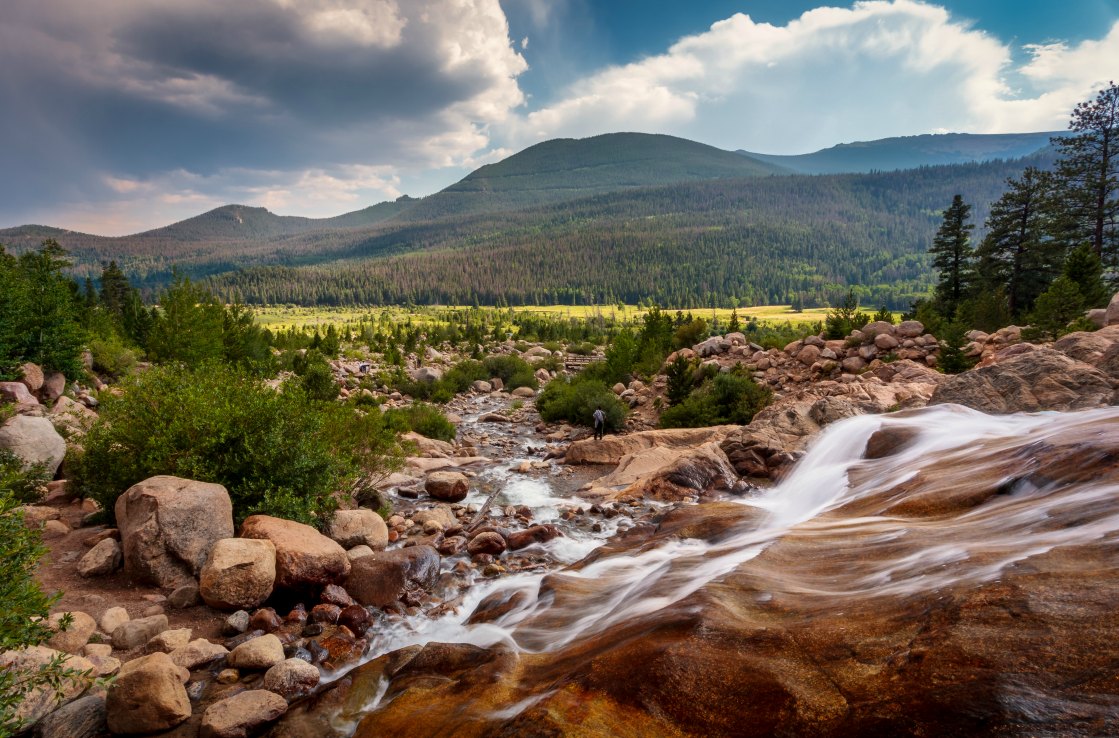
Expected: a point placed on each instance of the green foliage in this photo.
(23, 483)
(884, 315)
(952, 341)
(575, 401)
(277, 452)
(690, 333)
(845, 317)
(513, 371)
(424, 419)
(953, 256)
(317, 381)
(681, 373)
(988, 310)
(111, 356)
(1055, 309)
(1085, 270)
(728, 398)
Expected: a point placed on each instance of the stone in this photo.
(239, 574)
(356, 618)
(41, 700)
(55, 529)
(427, 374)
(357, 552)
(198, 653)
(185, 596)
(910, 329)
(112, 618)
(18, 393)
(292, 679)
(885, 342)
(305, 558)
(611, 449)
(237, 622)
(266, 619)
(169, 640)
(1112, 315)
(480, 385)
(242, 714)
(82, 718)
(447, 486)
(72, 416)
(534, 534)
(1097, 317)
(54, 384)
(351, 528)
(104, 558)
(523, 392)
(34, 440)
(74, 638)
(334, 595)
(147, 696)
(325, 613)
(31, 375)
(135, 633)
(441, 514)
(489, 542)
(168, 526)
(382, 578)
(808, 355)
(879, 327)
(428, 446)
(261, 652)
(853, 364)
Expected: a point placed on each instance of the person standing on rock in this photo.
(599, 423)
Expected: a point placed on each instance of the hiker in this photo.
(599, 423)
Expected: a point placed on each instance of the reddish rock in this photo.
(536, 534)
(384, 577)
(489, 542)
(305, 558)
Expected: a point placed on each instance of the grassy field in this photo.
(283, 318)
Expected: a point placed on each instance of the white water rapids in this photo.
(833, 495)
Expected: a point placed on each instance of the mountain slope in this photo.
(910, 152)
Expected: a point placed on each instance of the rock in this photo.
(147, 696)
(135, 633)
(102, 559)
(888, 440)
(198, 653)
(41, 700)
(489, 542)
(18, 393)
(427, 374)
(1083, 346)
(239, 574)
(480, 385)
(185, 596)
(522, 392)
(55, 529)
(168, 526)
(535, 534)
(305, 558)
(451, 545)
(357, 552)
(496, 417)
(262, 652)
(169, 640)
(611, 449)
(382, 578)
(428, 446)
(447, 486)
(34, 440)
(853, 364)
(74, 638)
(242, 714)
(236, 623)
(72, 416)
(351, 528)
(54, 384)
(808, 355)
(1112, 315)
(879, 327)
(885, 342)
(619, 388)
(265, 619)
(83, 718)
(113, 618)
(1042, 379)
(712, 347)
(356, 618)
(325, 613)
(31, 375)
(910, 329)
(292, 679)
(1097, 316)
(441, 514)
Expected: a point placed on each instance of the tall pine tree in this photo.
(953, 256)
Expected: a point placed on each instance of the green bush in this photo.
(111, 356)
(318, 382)
(729, 399)
(575, 401)
(463, 374)
(513, 370)
(24, 484)
(423, 419)
(277, 452)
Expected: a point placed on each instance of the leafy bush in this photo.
(111, 356)
(277, 452)
(24, 484)
(513, 370)
(463, 374)
(423, 419)
(846, 317)
(576, 400)
(731, 398)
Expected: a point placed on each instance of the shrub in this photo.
(846, 317)
(731, 398)
(952, 359)
(575, 401)
(318, 382)
(513, 370)
(423, 419)
(460, 376)
(277, 452)
(24, 484)
(112, 357)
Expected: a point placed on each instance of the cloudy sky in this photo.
(121, 115)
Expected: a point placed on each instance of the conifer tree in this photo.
(953, 256)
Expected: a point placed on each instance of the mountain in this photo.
(910, 152)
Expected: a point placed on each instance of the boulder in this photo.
(112, 618)
(169, 640)
(488, 542)
(359, 527)
(524, 392)
(104, 558)
(611, 449)
(427, 374)
(534, 534)
(184, 596)
(31, 376)
(76, 635)
(447, 486)
(441, 514)
(135, 633)
(305, 558)
(1041, 379)
(871, 330)
(147, 696)
(1112, 315)
(1088, 347)
(808, 355)
(671, 474)
(428, 446)
(72, 416)
(18, 393)
(82, 718)
(384, 577)
(239, 574)
(34, 440)
(292, 679)
(885, 342)
(168, 526)
(481, 385)
(910, 329)
(43, 699)
(54, 384)
(262, 652)
(242, 714)
(198, 653)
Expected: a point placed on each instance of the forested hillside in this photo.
(751, 241)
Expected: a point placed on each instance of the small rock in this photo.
(135, 633)
(325, 613)
(236, 623)
(184, 597)
(228, 676)
(169, 640)
(198, 652)
(351, 528)
(265, 619)
(334, 595)
(447, 486)
(112, 618)
(262, 652)
(489, 542)
(242, 714)
(76, 635)
(356, 618)
(292, 678)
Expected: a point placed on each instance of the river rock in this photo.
(168, 526)
(305, 558)
(104, 558)
(384, 577)
(524, 393)
(668, 474)
(611, 449)
(82, 718)
(198, 653)
(18, 393)
(535, 534)
(481, 385)
(1041, 379)
(441, 514)
(242, 714)
(54, 384)
(239, 574)
(41, 700)
(184, 596)
(427, 374)
(357, 618)
(428, 446)
(488, 542)
(359, 527)
(147, 696)
(34, 440)
(135, 633)
(262, 652)
(447, 486)
(169, 640)
(292, 679)
(74, 638)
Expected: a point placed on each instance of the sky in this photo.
(118, 116)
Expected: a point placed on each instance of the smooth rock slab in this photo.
(237, 716)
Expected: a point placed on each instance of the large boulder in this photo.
(361, 527)
(611, 449)
(1039, 379)
(31, 376)
(54, 384)
(41, 700)
(305, 558)
(18, 393)
(667, 474)
(427, 374)
(147, 696)
(34, 440)
(168, 526)
(1112, 315)
(239, 574)
(447, 486)
(82, 718)
(242, 714)
(384, 577)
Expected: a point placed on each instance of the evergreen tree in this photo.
(189, 325)
(1083, 267)
(953, 256)
(1088, 169)
(1058, 306)
(47, 323)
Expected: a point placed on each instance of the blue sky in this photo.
(130, 115)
